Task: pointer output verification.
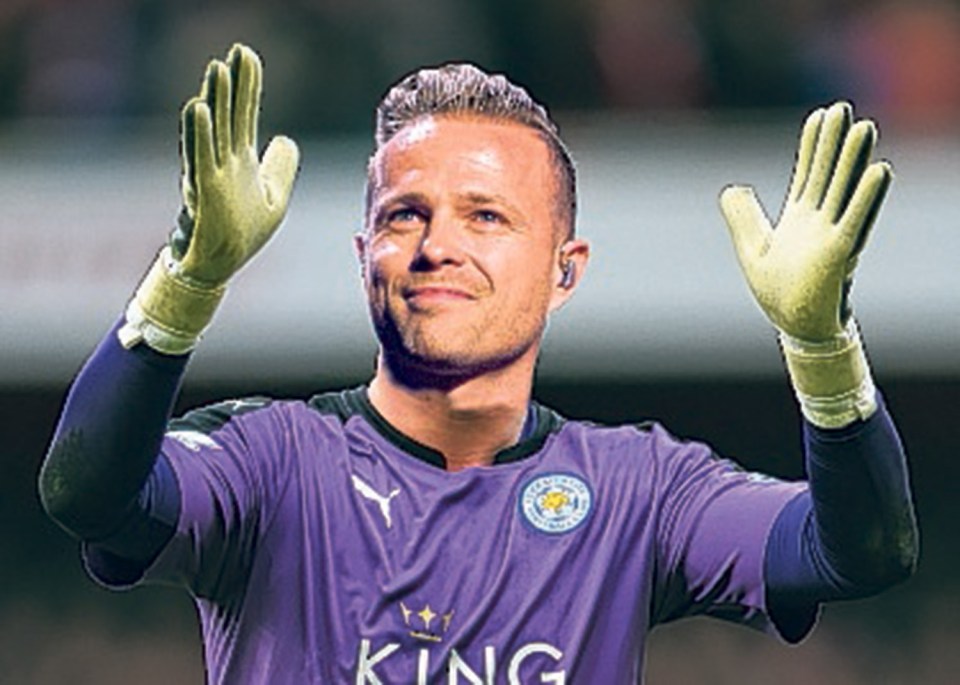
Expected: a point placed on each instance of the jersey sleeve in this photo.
(229, 462)
(714, 521)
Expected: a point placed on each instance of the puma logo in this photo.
(382, 501)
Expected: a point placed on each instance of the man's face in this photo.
(461, 249)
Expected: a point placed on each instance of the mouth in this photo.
(422, 296)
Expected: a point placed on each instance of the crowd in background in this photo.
(328, 61)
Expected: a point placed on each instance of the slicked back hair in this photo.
(467, 90)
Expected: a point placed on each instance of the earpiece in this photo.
(569, 270)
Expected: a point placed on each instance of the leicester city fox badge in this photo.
(556, 503)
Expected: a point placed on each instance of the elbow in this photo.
(59, 488)
(905, 551)
(56, 493)
(893, 558)
(69, 509)
(80, 494)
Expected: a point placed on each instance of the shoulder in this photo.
(210, 418)
(647, 449)
(338, 406)
(259, 424)
(646, 437)
(256, 440)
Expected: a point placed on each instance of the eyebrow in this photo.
(478, 198)
(412, 197)
(380, 205)
(473, 198)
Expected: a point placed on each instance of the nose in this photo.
(440, 245)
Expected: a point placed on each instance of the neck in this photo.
(468, 420)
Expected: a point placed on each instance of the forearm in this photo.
(108, 437)
(855, 533)
(862, 504)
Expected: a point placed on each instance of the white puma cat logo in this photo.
(382, 501)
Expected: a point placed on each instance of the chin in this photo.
(448, 360)
(453, 349)
(435, 361)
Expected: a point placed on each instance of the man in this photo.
(437, 525)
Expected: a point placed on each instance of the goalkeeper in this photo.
(436, 523)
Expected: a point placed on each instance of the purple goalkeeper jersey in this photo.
(322, 546)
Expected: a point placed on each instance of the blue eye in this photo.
(404, 217)
(488, 216)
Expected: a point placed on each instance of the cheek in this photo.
(526, 284)
(384, 253)
(382, 248)
(383, 258)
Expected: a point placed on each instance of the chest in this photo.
(504, 575)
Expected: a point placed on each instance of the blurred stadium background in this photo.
(662, 101)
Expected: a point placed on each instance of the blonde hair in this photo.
(467, 90)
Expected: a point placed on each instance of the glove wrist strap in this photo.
(831, 379)
(168, 312)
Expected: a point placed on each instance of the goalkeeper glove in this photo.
(801, 272)
(232, 204)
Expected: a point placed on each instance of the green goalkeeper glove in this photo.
(801, 272)
(232, 204)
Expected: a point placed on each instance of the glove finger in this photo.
(205, 161)
(808, 143)
(836, 122)
(854, 158)
(281, 162)
(188, 182)
(861, 214)
(246, 70)
(747, 222)
(218, 100)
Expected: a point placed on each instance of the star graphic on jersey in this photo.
(383, 501)
(422, 629)
(427, 614)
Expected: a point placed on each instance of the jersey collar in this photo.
(539, 424)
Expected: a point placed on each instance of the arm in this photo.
(855, 532)
(101, 479)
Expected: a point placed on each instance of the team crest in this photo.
(556, 503)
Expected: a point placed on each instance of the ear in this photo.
(571, 264)
(360, 249)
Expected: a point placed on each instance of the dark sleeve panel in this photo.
(106, 443)
(854, 534)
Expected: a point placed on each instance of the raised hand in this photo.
(801, 271)
(232, 204)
